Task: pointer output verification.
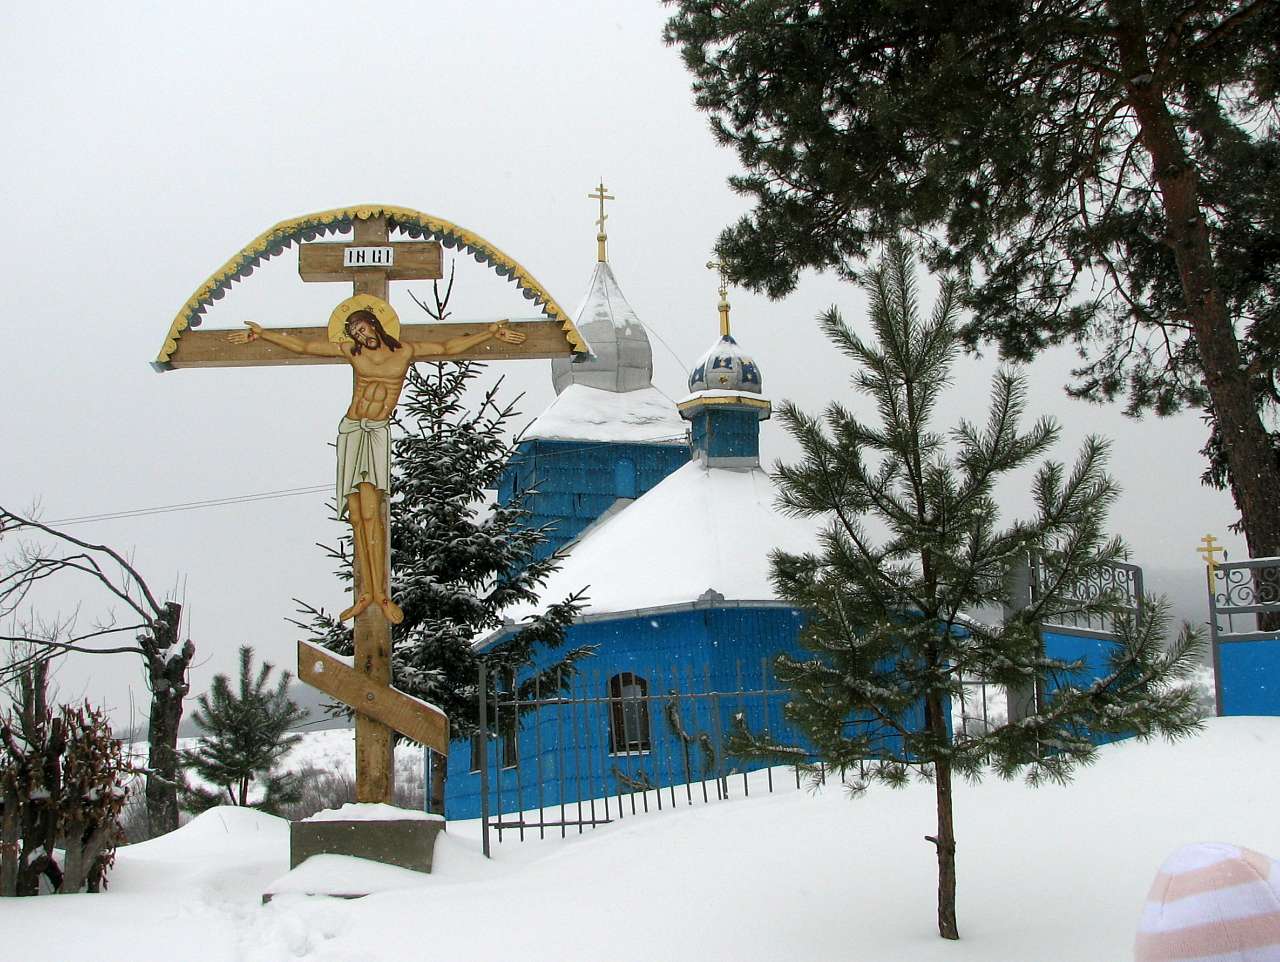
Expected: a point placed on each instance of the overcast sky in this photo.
(149, 142)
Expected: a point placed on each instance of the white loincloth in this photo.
(364, 456)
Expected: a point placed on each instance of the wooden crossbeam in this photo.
(422, 722)
(211, 349)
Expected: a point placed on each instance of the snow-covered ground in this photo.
(1056, 874)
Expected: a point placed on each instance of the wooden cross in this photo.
(601, 237)
(380, 359)
(1209, 550)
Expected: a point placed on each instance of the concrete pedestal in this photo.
(408, 843)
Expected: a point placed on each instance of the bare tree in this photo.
(42, 553)
(63, 782)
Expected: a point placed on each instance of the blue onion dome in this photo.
(725, 368)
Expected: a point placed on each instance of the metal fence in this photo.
(1244, 626)
(610, 748)
(600, 748)
(1070, 632)
(1119, 580)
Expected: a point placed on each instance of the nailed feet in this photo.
(391, 610)
(363, 602)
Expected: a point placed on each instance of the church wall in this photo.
(577, 481)
(723, 647)
(720, 648)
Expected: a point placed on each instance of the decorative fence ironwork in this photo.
(1070, 632)
(1244, 625)
(613, 748)
(1120, 580)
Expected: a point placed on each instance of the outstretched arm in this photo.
(317, 348)
(501, 331)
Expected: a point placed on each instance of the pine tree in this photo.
(891, 644)
(1104, 174)
(459, 560)
(246, 738)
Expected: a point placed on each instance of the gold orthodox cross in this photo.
(1209, 550)
(601, 237)
(718, 266)
(368, 262)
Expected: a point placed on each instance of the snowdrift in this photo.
(1056, 874)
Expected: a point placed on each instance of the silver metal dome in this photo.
(724, 368)
(623, 359)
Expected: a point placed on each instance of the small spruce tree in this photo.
(887, 627)
(247, 737)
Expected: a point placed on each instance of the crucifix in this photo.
(365, 333)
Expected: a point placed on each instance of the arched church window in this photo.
(624, 478)
(628, 713)
(509, 740)
(508, 744)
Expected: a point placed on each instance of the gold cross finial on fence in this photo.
(600, 195)
(1209, 550)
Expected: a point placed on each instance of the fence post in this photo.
(483, 735)
(1019, 586)
(764, 704)
(1214, 642)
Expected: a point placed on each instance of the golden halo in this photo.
(384, 312)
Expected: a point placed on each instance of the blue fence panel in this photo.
(1249, 676)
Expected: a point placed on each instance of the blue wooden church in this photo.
(668, 521)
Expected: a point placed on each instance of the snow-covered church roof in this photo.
(701, 528)
(610, 396)
(583, 413)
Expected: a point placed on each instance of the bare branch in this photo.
(9, 521)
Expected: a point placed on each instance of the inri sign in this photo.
(368, 257)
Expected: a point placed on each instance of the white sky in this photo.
(149, 142)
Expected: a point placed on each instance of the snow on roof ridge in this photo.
(585, 413)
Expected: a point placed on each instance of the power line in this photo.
(299, 492)
(193, 505)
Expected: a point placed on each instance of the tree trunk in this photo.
(945, 842)
(439, 772)
(83, 867)
(76, 861)
(1255, 477)
(167, 672)
(8, 845)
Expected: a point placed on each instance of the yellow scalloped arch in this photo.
(415, 223)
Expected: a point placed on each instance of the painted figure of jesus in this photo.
(379, 364)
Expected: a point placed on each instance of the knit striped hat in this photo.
(1212, 903)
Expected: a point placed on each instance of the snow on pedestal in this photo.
(372, 812)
